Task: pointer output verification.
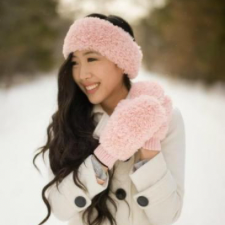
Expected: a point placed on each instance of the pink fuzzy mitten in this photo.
(154, 143)
(132, 123)
(154, 89)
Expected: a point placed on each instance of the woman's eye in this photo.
(91, 59)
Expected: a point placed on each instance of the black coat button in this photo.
(80, 201)
(121, 194)
(142, 201)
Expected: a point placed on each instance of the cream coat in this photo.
(155, 191)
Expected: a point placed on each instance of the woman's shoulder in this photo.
(176, 128)
(177, 117)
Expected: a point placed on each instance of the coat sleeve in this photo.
(70, 200)
(139, 164)
(160, 181)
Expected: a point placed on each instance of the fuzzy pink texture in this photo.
(153, 88)
(109, 40)
(132, 122)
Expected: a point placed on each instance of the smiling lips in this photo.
(91, 88)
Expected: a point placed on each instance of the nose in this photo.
(84, 73)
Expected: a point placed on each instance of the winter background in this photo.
(26, 110)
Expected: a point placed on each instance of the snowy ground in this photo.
(26, 111)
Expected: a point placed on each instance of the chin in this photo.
(95, 101)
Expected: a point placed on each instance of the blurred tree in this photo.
(30, 33)
(186, 39)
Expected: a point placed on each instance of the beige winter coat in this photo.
(155, 191)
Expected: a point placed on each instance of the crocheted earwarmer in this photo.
(109, 40)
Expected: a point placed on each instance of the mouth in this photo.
(92, 88)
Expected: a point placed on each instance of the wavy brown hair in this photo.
(69, 139)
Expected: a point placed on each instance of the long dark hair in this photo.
(70, 141)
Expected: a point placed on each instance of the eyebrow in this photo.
(86, 53)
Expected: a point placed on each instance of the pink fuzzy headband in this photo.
(92, 33)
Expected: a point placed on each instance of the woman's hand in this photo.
(147, 154)
(100, 181)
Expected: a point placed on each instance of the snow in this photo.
(25, 114)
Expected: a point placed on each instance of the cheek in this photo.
(109, 84)
(74, 75)
(76, 79)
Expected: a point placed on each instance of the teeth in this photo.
(91, 87)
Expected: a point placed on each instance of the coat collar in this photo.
(97, 108)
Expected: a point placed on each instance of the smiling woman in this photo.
(99, 78)
(102, 121)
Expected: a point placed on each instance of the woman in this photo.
(115, 149)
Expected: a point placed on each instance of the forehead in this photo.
(85, 52)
